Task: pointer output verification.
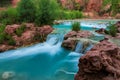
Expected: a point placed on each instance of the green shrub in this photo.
(2, 28)
(26, 10)
(112, 30)
(2, 37)
(9, 16)
(71, 15)
(76, 26)
(20, 30)
(47, 12)
(11, 41)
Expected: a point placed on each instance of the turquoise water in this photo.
(43, 61)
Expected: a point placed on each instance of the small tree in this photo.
(76, 26)
(47, 12)
(26, 10)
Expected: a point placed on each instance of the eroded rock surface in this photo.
(71, 38)
(102, 62)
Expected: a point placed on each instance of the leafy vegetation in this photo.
(9, 16)
(20, 30)
(76, 26)
(47, 12)
(70, 15)
(114, 6)
(4, 37)
(27, 11)
(112, 30)
(2, 34)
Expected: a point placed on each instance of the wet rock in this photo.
(69, 44)
(8, 75)
(72, 38)
(100, 31)
(102, 62)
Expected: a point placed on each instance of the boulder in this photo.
(8, 75)
(28, 36)
(10, 29)
(102, 62)
(4, 47)
(72, 38)
(69, 44)
(45, 30)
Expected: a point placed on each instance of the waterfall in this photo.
(83, 46)
(79, 47)
(52, 45)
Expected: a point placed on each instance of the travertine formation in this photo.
(71, 38)
(32, 34)
(102, 62)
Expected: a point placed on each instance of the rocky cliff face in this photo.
(102, 62)
(87, 5)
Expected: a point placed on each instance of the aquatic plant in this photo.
(76, 26)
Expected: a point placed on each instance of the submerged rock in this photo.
(102, 62)
(8, 75)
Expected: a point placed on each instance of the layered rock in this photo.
(72, 38)
(102, 62)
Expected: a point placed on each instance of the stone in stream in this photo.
(72, 38)
(102, 62)
(8, 75)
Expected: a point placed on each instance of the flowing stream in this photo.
(43, 61)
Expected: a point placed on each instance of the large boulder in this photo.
(28, 36)
(72, 38)
(102, 62)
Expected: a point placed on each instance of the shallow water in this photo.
(44, 61)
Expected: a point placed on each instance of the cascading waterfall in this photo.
(43, 61)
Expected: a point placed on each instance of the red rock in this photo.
(10, 29)
(69, 44)
(28, 36)
(102, 62)
(5, 47)
(70, 39)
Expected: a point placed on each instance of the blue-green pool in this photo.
(43, 61)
